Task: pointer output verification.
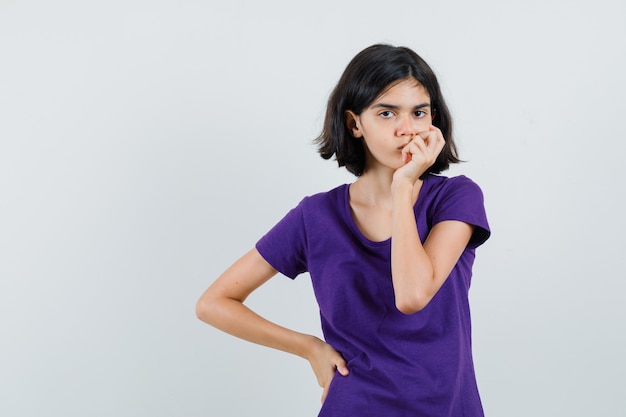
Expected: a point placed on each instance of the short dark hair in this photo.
(368, 75)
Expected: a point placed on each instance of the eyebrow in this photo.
(395, 107)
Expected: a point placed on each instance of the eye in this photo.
(420, 113)
(386, 114)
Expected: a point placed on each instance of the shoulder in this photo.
(328, 199)
(457, 198)
(438, 188)
(285, 245)
(439, 183)
(315, 206)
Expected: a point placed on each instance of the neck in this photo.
(373, 188)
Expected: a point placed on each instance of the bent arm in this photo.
(222, 306)
(418, 271)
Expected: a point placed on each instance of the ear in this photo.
(354, 124)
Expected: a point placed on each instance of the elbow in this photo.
(214, 309)
(202, 312)
(412, 305)
(205, 309)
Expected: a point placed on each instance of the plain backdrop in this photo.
(146, 145)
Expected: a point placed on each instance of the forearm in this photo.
(411, 268)
(233, 317)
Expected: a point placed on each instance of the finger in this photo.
(406, 154)
(415, 147)
(408, 151)
(434, 139)
(417, 141)
(439, 143)
(420, 143)
(429, 137)
(439, 133)
(433, 128)
(325, 392)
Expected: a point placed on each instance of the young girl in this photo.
(390, 256)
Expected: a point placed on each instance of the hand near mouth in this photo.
(419, 154)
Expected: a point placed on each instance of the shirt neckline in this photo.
(352, 223)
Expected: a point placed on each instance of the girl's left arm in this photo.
(418, 271)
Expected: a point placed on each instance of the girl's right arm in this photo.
(222, 306)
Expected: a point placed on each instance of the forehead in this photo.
(407, 89)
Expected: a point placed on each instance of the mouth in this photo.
(402, 146)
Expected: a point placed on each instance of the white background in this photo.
(145, 145)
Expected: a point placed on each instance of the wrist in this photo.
(402, 186)
(309, 346)
(405, 195)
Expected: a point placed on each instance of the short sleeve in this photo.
(284, 246)
(462, 200)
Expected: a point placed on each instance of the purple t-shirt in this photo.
(400, 365)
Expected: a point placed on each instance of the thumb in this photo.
(342, 367)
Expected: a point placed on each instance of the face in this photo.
(390, 122)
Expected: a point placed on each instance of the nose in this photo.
(406, 126)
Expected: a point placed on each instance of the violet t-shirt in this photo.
(400, 365)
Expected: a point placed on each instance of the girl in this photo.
(390, 256)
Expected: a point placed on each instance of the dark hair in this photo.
(368, 75)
